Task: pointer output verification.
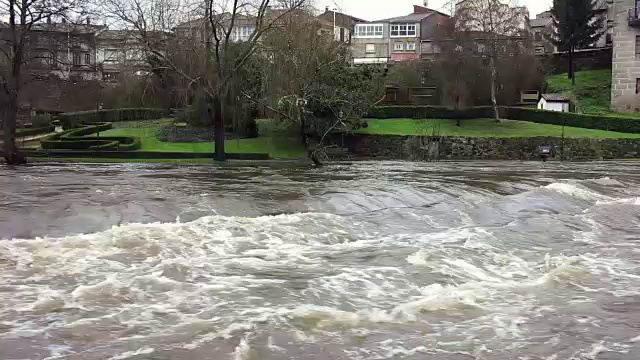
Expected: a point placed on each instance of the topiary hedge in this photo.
(600, 122)
(426, 112)
(73, 119)
(77, 139)
(35, 131)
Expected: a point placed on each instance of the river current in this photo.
(363, 260)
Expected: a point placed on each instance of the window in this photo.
(53, 59)
(370, 49)
(637, 45)
(411, 47)
(369, 30)
(398, 46)
(76, 59)
(87, 59)
(403, 30)
(638, 86)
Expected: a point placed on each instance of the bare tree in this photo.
(209, 43)
(495, 27)
(15, 37)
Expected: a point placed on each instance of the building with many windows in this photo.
(403, 38)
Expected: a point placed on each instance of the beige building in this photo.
(625, 79)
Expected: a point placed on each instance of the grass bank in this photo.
(274, 145)
(483, 128)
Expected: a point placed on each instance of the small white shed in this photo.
(554, 102)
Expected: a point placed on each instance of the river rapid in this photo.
(364, 260)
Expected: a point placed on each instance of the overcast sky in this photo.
(383, 9)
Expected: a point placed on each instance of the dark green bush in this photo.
(41, 120)
(35, 131)
(75, 119)
(426, 112)
(600, 122)
(77, 139)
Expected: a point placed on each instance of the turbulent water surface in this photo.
(379, 260)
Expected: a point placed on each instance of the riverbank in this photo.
(420, 148)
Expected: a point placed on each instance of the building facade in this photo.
(64, 50)
(397, 39)
(342, 24)
(625, 78)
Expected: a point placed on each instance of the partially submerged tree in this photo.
(309, 81)
(576, 26)
(16, 51)
(498, 30)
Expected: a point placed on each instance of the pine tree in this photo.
(576, 27)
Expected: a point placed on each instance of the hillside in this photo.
(592, 92)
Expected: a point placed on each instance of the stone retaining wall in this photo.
(464, 148)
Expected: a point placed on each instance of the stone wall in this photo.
(463, 148)
(626, 64)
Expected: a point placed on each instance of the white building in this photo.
(554, 102)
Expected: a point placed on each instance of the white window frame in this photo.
(370, 49)
(403, 30)
(369, 31)
(399, 46)
(411, 46)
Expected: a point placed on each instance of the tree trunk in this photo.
(311, 153)
(494, 76)
(572, 74)
(9, 127)
(218, 119)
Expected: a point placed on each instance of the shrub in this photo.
(75, 119)
(427, 112)
(76, 139)
(35, 131)
(600, 122)
(41, 120)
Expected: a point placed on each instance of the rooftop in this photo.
(555, 97)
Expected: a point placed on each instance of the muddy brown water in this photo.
(366, 260)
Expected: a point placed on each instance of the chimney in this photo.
(326, 9)
(64, 20)
(48, 19)
(88, 21)
(421, 10)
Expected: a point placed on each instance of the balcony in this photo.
(634, 20)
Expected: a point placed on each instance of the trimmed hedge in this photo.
(73, 119)
(610, 123)
(76, 139)
(426, 112)
(35, 131)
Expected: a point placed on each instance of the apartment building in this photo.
(63, 50)
(118, 51)
(403, 38)
(343, 24)
(625, 78)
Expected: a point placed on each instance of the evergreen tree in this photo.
(577, 26)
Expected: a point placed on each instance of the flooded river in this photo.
(370, 260)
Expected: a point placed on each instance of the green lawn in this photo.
(591, 94)
(277, 147)
(482, 128)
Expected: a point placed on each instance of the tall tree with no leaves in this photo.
(576, 26)
(16, 36)
(497, 30)
(219, 61)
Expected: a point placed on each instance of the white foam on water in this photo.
(576, 191)
(130, 354)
